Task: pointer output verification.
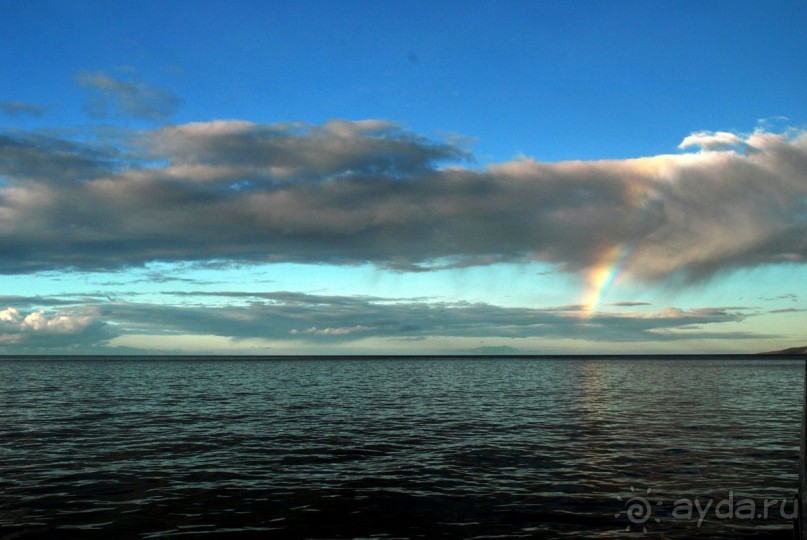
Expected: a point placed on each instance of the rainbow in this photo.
(614, 260)
(603, 276)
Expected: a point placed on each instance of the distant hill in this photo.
(791, 350)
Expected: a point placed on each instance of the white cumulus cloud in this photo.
(714, 141)
(11, 320)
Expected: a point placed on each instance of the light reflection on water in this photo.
(406, 447)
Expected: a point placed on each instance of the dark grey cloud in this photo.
(371, 192)
(786, 310)
(317, 318)
(32, 161)
(49, 302)
(17, 108)
(110, 96)
(789, 296)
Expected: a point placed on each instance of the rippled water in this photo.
(343, 448)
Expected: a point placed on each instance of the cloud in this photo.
(246, 156)
(342, 331)
(714, 141)
(40, 329)
(491, 350)
(16, 108)
(38, 164)
(789, 296)
(299, 320)
(316, 318)
(116, 97)
(372, 192)
(63, 322)
(25, 302)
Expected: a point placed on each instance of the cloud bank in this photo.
(371, 192)
(318, 318)
(93, 323)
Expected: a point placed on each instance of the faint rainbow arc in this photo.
(602, 277)
(615, 260)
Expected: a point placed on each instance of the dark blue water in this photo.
(403, 448)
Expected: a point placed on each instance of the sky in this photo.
(350, 177)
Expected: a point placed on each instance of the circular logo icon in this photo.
(638, 510)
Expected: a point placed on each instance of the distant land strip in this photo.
(791, 350)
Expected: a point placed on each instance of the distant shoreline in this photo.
(791, 350)
(794, 352)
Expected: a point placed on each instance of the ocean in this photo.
(477, 447)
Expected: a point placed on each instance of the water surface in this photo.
(396, 447)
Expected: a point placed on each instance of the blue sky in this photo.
(419, 177)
